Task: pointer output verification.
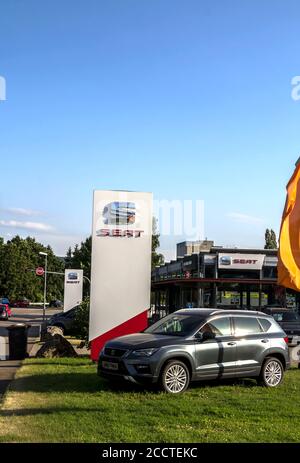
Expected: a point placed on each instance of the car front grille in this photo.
(111, 352)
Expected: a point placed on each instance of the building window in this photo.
(209, 271)
(269, 272)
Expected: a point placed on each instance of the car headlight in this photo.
(144, 352)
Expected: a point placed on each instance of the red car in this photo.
(20, 303)
(5, 311)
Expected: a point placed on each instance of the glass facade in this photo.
(199, 280)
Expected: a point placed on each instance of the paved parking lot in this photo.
(32, 316)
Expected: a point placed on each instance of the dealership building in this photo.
(204, 275)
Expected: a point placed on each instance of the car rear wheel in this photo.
(271, 373)
(175, 377)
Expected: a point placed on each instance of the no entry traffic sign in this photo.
(39, 271)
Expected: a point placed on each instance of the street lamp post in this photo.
(45, 283)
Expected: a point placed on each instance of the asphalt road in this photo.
(32, 316)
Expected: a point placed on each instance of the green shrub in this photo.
(81, 321)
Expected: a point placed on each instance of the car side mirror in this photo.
(199, 336)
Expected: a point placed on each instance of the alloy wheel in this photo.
(273, 373)
(176, 378)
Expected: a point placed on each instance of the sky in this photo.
(191, 100)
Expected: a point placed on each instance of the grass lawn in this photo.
(63, 400)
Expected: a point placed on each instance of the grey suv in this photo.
(199, 344)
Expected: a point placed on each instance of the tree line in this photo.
(20, 257)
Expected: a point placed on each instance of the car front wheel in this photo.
(175, 377)
(271, 373)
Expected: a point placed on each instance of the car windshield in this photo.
(286, 317)
(176, 325)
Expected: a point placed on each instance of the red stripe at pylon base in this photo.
(134, 325)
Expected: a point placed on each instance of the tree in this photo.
(18, 259)
(81, 321)
(270, 239)
(157, 259)
(68, 258)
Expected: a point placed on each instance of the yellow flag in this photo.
(289, 241)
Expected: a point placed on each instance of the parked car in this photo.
(20, 303)
(4, 300)
(64, 320)
(5, 312)
(56, 303)
(289, 320)
(199, 344)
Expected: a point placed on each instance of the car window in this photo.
(246, 325)
(278, 316)
(265, 323)
(291, 317)
(219, 327)
(176, 325)
(286, 316)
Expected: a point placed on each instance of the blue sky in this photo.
(187, 99)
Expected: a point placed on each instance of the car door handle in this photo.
(265, 341)
(231, 344)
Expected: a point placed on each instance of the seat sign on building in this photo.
(241, 261)
(121, 265)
